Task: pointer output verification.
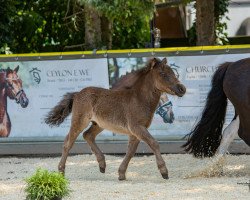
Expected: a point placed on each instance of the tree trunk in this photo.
(205, 22)
(92, 28)
(107, 31)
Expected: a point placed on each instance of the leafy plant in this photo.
(221, 8)
(130, 19)
(47, 26)
(39, 26)
(45, 185)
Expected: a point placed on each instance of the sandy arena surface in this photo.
(143, 178)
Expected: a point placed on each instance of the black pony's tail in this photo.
(57, 115)
(204, 139)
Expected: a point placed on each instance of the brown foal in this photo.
(126, 109)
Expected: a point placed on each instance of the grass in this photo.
(45, 185)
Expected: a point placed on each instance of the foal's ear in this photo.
(153, 62)
(16, 69)
(164, 61)
(8, 70)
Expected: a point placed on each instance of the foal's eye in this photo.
(163, 74)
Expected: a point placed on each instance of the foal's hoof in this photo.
(121, 178)
(102, 169)
(165, 176)
(63, 173)
(61, 170)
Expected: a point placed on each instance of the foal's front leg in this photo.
(132, 146)
(142, 133)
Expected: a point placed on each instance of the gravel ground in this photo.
(143, 178)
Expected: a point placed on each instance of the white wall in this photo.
(238, 11)
(237, 14)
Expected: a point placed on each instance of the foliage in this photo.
(192, 36)
(122, 10)
(221, 7)
(54, 25)
(133, 36)
(45, 185)
(7, 10)
(5, 49)
(130, 20)
(37, 26)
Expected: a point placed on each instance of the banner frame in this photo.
(150, 52)
(238, 146)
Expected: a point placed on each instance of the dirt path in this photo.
(143, 179)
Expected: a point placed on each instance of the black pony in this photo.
(232, 81)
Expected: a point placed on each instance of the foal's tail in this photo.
(205, 138)
(57, 115)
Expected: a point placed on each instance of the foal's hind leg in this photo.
(142, 133)
(77, 125)
(132, 146)
(90, 136)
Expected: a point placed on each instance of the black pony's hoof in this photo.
(102, 169)
(165, 176)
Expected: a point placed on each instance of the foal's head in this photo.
(165, 79)
(14, 87)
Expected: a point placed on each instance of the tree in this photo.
(56, 25)
(92, 27)
(205, 22)
(208, 29)
(125, 23)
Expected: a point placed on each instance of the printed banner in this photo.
(177, 116)
(44, 83)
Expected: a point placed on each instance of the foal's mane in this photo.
(128, 80)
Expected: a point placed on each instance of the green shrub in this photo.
(45, 185)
